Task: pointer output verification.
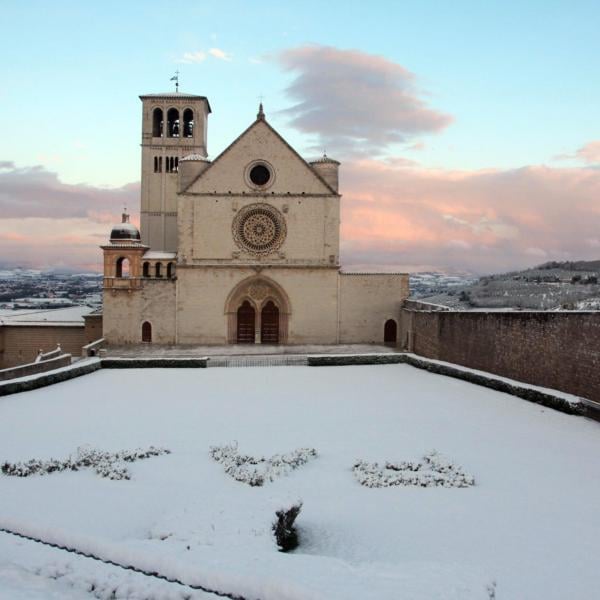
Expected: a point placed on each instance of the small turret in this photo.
(328, 169)
(190, 167)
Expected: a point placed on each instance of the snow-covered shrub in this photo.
(435, 470)
(255, 471)
(106, 464)
(284, 530)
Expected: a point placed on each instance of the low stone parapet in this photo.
(93, 348)
(41, 366)
(32, 382)
(340, 360)
(155, 363)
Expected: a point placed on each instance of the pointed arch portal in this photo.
(257, 311)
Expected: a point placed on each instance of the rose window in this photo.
(259, 229)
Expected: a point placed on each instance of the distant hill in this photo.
(569, 285)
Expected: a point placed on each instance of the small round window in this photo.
(260, 175)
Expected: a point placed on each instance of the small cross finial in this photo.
(261, 112)
(125, 216)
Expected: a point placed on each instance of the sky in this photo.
(468, 132)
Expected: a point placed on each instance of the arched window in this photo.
(173, 123)
(146, 332)
(171, 165)
(122, 267)
(146, 269)
(176, 164)
(170, 270)
(157, 122)
(158, 270)
(390, 331)
(188, 123)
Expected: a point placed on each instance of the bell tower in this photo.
(173, 126)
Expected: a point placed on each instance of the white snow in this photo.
(530, 523)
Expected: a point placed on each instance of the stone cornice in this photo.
(254, 266)
(263, 195)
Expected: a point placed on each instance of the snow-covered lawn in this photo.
(528, 529)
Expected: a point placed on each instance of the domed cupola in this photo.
(125, 232)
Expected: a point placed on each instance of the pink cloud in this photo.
(395, 214)
(46, 222)
(38, 192)
(486, 221)
(588, 153)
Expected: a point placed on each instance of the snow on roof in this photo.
(72, 315)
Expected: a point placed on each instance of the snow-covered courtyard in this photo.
(529, 527)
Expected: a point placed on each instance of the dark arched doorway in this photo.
(245, 323)
(390, 331)
(146, 332)
(269, 324)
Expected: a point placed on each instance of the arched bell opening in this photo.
(122, 267)
(173, 123)
(390, 332)
(157, 123)
(246, 323)
(188, 123)
(269, 323)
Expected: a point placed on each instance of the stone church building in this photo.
(241, 249)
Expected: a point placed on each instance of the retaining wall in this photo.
(559, 350)
(47, 364)
(33, 382)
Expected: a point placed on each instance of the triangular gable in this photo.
(259, 141)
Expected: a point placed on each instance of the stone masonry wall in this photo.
(559, 350)
(21, 344)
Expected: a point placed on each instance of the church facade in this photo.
(241, 249)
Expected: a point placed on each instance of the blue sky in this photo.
(507, 90)
(519, 79)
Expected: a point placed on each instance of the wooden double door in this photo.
(269, 323)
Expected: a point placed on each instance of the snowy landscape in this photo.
(571, 285)
(411, 485)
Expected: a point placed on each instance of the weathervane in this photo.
(175, 78)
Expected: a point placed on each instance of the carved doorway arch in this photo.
(269, 301)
